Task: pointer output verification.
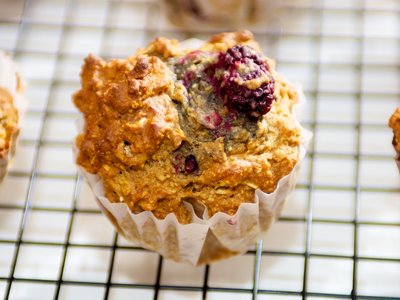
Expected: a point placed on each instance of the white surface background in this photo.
(55, 243)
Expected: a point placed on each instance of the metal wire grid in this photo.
(49, 136)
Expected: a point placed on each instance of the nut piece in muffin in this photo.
(394, 123)
(10, 90)
(171, 126)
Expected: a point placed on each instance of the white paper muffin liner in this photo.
(205, 239)
(11, 81)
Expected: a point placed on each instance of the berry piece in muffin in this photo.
(242, 80)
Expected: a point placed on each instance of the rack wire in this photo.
(339, 236)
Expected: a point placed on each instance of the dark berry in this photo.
(184, 164)
(231, 78)
(190, 164)
(213, 121)
(187, 78)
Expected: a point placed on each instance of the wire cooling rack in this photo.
(339, 236)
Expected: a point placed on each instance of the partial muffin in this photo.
(198, 14)
(394, 123)
(187, 136)
(190, 12)
(11, 109)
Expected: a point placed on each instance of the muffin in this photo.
(12, 103)
(219, 13)
(190, 152)
(394, 123)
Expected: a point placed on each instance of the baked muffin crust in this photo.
(8, 122)
(158, 143)
(394, 123)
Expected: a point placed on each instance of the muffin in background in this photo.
(394, 123)
(191, 151)
(12, 107)
(219, 13)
